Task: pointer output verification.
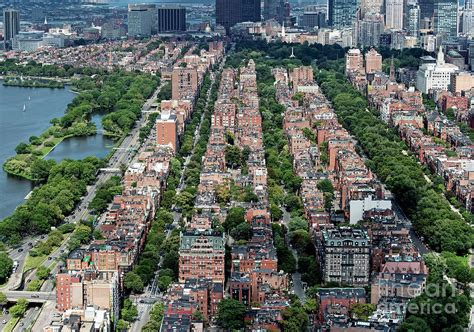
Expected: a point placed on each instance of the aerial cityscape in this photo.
(237, 165)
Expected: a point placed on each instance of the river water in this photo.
(16, 126)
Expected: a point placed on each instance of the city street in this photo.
(297, 287)
(152, 292)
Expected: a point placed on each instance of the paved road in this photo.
(143, 316)
(26, 323)
(4, 317)
(417, 242)
(30, 296)
(297, 287)
(152, 292)
(45, 316)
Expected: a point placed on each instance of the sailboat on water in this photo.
(24, 107)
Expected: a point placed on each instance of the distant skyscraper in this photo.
(394, 14)
(413, 20)
(139, 20)
(370, 7)
(313, 18)
(171, 18)
(369, 30)
(273, 9)
(231, 12)
(341, 13)
(468, 18)
(445, 18)
(426, 9)
(11, 22)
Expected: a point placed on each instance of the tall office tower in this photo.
(153, 13)
(370, 7)
(273, 9)
(369, 30)
(426, 9)
(394, 14)
(231, 12)
(445, 18)
(171, 18)
(139, 20)
(412, 22)
(341, 13)
(468, 18)
(250, 11)
(11, 23)
(313, 18)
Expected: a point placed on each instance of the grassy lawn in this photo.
(33, 262)
(10, 325)
(46, 149)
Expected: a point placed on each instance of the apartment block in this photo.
(345, 256)
(201, 255)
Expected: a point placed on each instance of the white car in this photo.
(4, 321)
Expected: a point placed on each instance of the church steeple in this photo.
(440, 58)
(392, 71)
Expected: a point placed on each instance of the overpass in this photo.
(35, 297)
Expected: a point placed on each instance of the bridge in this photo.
(35, 297)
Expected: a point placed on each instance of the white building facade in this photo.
(435, 76)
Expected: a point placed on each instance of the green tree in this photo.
(230, 314)
(297, 223)
(40, 169)
(23, 148)
(294, 318)
(6, 266)
(275, 212)
(83, 233)
(325, 186)
(19, 309)
(242, 231)
(233, 156)
(164, 281)
(414, 324)
(310, 306)
(234, 217)
(122, 325)
(3, 299)
(362, 311)
(43, 272)
(129, 311)
(133, 282)
(151, 326)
